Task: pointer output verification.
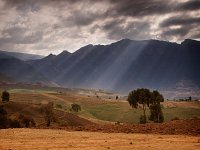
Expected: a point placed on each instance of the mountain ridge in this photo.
(124, 65)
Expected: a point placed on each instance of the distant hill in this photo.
(21, 56)
(121, 66)
(5, 79)
(15, 70)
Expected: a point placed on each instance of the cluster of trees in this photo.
(146, 98)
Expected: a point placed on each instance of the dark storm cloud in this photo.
(180, 21)
(176, 32)
(189, 5)
(118, 29)
(56, 23)
(139, 7)
(119, 7)
(185, 26)
(80, 18)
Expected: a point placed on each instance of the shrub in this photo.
(5, 96)
(75, 107)
(26, 121)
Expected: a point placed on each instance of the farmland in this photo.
(101, 106)
(95, 125)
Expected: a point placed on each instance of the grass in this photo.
(91, 107)
(30, 91)
(181, 113)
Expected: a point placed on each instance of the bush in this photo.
(143, 119)
(26, 121)
(75, 107)
(5, 96)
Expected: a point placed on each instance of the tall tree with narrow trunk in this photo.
(140, 96)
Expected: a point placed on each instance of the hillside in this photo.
(96, 106)
(125, 65)
(15, 70)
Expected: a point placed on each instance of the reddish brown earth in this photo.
(45, 139)
(178, 127)
(72, 122)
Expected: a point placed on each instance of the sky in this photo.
(51, 26)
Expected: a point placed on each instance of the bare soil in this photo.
(177, 127)
(16, 139)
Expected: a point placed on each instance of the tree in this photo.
(155, 107)
(189, 98)
(75, 107)
(147, 99)
(140, 96)
(5, 96)
(48, 113)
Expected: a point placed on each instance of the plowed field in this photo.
(17, 139)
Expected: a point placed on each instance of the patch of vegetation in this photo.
(75, 107)
(146, 98)
(5, 96)
(59, 106)
(181, 113)
(47, 110)
(19, 122)
(108, 112)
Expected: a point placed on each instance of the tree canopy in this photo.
(146, 98)
(5, 96)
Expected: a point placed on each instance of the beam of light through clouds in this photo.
(51, 26)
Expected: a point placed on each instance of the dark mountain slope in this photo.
(120, 66)
(128, 64)
(20, 71)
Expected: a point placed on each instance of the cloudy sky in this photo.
(50, 26)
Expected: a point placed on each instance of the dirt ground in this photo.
(15, 139)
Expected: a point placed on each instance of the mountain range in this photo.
(120, 66)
